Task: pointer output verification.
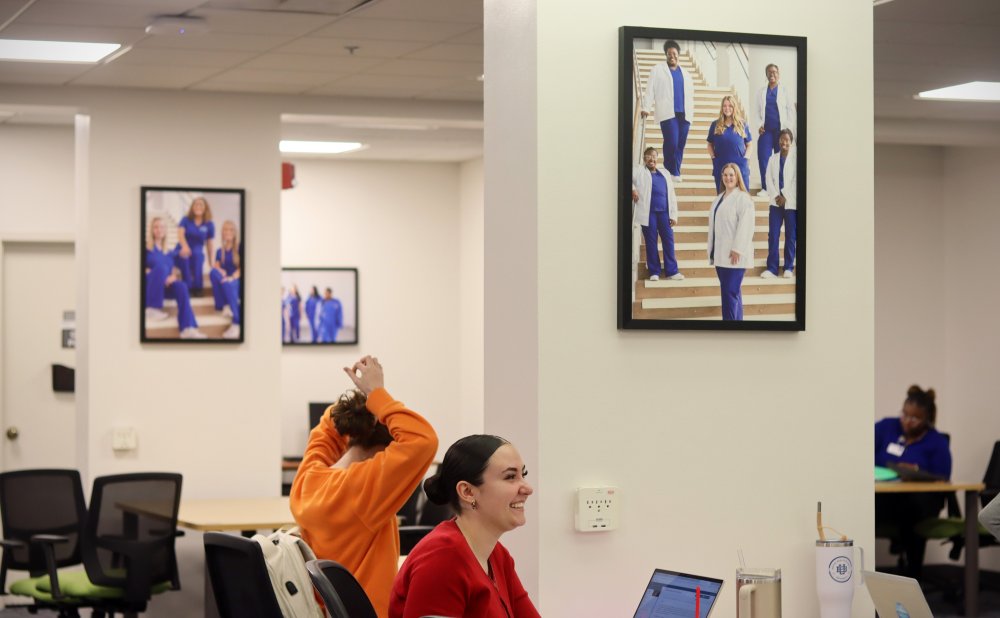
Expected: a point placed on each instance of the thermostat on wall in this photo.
(596, 509)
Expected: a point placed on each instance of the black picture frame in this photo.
(175, 304)
(718, 63)
(323, 327)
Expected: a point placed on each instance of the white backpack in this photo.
(286, 555)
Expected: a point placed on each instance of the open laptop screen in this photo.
(670, 594)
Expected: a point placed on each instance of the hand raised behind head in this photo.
(366, 374)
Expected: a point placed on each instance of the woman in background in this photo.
(225, 277)
(911, 441)
(164, 281)
(362, 463)
(728, 138)
(460, 568)
(730, 239)
(294, 313)
(311, 303)
(194, 239)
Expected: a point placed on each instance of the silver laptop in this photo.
(670, 593)
(896, 596)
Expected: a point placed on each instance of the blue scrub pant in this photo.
(312, 325)
(294, 320)
(192, 268)
(226, 293)
(777, 215)
(675, 137)
(767, 145)
(157, 291)
(717, 166)
(731, 280)
(659, 223)
(327, 335)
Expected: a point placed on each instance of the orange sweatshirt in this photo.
(349, 515)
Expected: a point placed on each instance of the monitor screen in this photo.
(316, 411)
(670, 593)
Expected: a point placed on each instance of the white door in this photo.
(38, 424)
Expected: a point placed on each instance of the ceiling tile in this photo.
(40, 72)
(389, 92)
(221, 42)
(130, 15)
(431, 68)
(366, 48)
(407, 83)
(449, 51)
(303, 62)
(183, 57)
(357, 28)
(472, 37)
(213, 85)
(465, 11)
(143, 76)
(267, 76)
(261, 22)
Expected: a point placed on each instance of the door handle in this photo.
(12, 433)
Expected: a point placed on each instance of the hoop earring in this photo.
(475, 505)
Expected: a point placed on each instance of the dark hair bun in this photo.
(435, 493)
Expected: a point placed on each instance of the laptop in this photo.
(895, 596)
(670, 593)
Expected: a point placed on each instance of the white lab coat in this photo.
(642, 182)
(786, 108)
(773, 168)
(735, 229)
(659, 95)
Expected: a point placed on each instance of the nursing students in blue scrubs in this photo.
(728, 138)
(911, 440)
(329, 318)
(730, 239)
(311, 303)
(774, 112)
(655, 210)
(670, 92)
(225, 278)
(294, 303)
(194, 238)
(164, 281)
(781, 178)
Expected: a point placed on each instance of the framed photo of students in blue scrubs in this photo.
(319, 306)
(192, 265)
(711, 180)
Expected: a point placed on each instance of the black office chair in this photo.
(342, 594)
(429, 516)
(42, 513)
(239, 577)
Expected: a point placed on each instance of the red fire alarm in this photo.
(287, 175)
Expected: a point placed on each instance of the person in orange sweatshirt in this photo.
(363, 461)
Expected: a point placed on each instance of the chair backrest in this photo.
(432, 514)
(239, 577)
(33, 502)
(991, 478)
(128, 541)
(342, 594)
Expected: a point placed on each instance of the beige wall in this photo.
(717, 441)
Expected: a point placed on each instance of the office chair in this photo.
(342, 594)
(239, 577)
(430, 515)
(42, 513)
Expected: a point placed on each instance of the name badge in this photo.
(896, 449)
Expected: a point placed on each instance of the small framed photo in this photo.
(192, 265)
(319, 306)
(711, 180)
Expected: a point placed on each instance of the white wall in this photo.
(471, 285)
(398, 223)
(36, 181)
(704, 467)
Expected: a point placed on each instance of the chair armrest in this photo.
(48, 542)
(49, 538)
(12, 544)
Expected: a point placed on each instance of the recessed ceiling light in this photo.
(54, 51)
(303, 147)
(972, 91)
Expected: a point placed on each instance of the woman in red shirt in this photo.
(460, 568)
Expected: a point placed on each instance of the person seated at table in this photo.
(911, 441)
(460, 568)
(363, 460)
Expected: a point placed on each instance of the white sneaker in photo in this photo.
(676, 277)
(677, 179)
(654, 277)
(233, 332)
(767, 275)
(227, 311)
(193, 333)
(156, 315)
(788, 274)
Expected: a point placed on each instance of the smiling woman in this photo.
(461, 569)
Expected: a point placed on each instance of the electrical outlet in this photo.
(597, 509)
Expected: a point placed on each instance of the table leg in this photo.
(971, 553)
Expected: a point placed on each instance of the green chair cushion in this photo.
(77, 584)
(934, 528)
(33, 587)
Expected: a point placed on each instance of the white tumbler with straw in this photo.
(836, 574)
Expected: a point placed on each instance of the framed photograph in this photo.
(193, 261)
(319, 306)
(712, 180)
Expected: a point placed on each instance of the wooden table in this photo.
(242, 514)
(971, 527)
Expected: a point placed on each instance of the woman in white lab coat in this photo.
(730, 239)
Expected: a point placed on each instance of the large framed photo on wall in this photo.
(193, 262)
(711, 179)
(319, 306)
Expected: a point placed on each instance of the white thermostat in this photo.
(596, 509)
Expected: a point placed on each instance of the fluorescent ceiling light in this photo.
(300, 147)
(54, 51)
(972, 91)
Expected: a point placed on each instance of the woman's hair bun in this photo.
(435, 493)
